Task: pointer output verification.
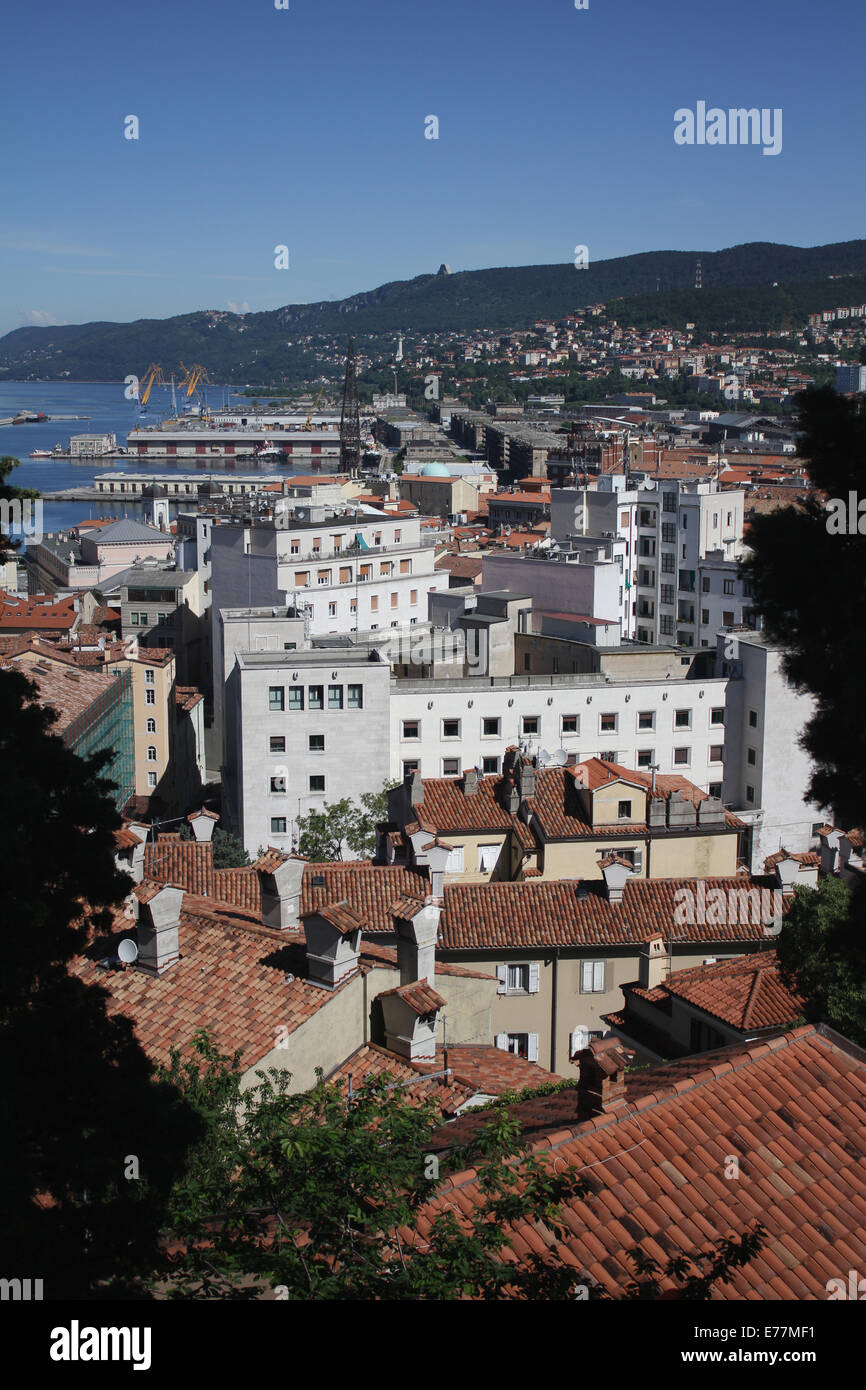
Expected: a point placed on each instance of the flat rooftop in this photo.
(331, 656)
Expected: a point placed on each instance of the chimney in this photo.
(158, 922)
(411, 1014)
(280, 879)
(203, 824)
(711, 811)
(656, 812)
(417, 926)
(787, 871)
(653, 966)
(333, 936)
(526, 773)
(470, 781)
(682, 813)
(616, 873)
(435, 855)
(512, 798)
(601, 1087)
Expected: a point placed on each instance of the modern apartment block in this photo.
(669, 528)
(301, 728)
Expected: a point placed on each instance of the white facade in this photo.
(591, 587)
(725, 597)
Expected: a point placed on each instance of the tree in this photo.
(228, 850)
(91, 1141)
(8, 493)
(822, 627)
(822, 954)
(322, 835)
(321, 1196)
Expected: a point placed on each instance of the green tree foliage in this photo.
(822, 954)
(822, 635)
(323, 835)
(320, 1196)
(8, 493)
(79, 1100)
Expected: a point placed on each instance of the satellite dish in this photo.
(544, 757)
(127, 951)
(560, 758)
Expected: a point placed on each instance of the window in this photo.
(278, 825)
(296, 697)
(276, 697)
(705, 584)
(705, 615)
(571, 723)
(450, 728)
(646, 719)
(517, 978)
(316, 697)
(151, 753)
(385, 567)
(717, 753)
(302, 579)
(317, 783)
(519, 1044)
(527, 661)
(666, 625)
(395, 599)
(332, 610)
(727, 586)
(278, 786)
(323, 576)
(669, 532)
(669, 502)
(716, 790)
(667, 594)
(750, 794)
(411, 728)
(397, 535)
(717, 715)
(149, 677)
(345, 574)
(753, 719)
(356, 697)
(624, 810)
(151, 779)
(374, 603)
(490, 728)
(487, 858)
(150, 697)
(405, 566)
(295, 547)
(669, 563)
(607, 723)
(751, 757)
(316, 743)
(608, 757)
(682, 756)
(410, 765)
(644, 757)
(682, 719)
(277, 744)
(450, 767)
(490, 765)
(151, 726)
(454, 862)
(335, 697)
(592, 977)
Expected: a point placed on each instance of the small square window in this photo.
(317, 783)
(278, 825)
(411, 728)
(646, 719)
(490, 765)
(518, 978)
(716, 790)
(624, 810)
(717, 716)
(278, 786)
(450, 728)
(644, 757)
(571, 723)
(530, 723)
(317, 743)
(592, 977)
(717, 753)
(276, 697)
(751, 757)
(450, 767)
(410, 765)
(277, 744)
(490, 727)
(682, 719)
(316, 697)
(682, 756)
(607, 723)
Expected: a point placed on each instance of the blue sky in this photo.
(305, 127)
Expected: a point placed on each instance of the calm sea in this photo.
(102, 409)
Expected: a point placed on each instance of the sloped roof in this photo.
(746, 993)
(126, 531)
(791, 1109)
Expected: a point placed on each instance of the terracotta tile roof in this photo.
(419, 995)
(489, 1069)
(187, 697)
(68, 692)
(792, 1110)
(126, 838)
(506, 916)
(745, 993)
(809, 858)
(406, 908)
(38, 613)
(374, 1061)
(557, 807)
(447, 810)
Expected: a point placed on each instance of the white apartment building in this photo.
(669, 526)
(587, 581)
(346, 572)
(302, 728)
(725, 597)
(766, 770)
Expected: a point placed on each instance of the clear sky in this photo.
(305, 127)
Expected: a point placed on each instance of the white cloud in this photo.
(242, 308)
(39, 318)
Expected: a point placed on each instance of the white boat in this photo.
(41, 454)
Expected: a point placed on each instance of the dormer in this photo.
(333, 937)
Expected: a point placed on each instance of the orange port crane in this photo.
(152, 377)
(193, 378)
(307, 425)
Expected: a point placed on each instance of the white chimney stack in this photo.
(158, 927)
(281, 877)
(203, 824)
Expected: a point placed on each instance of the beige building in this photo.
(169, 732)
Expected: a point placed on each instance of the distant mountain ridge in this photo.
(253, 347)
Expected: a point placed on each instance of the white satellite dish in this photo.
(544, 757)
(560, 758)
(127, 951)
